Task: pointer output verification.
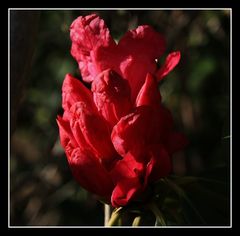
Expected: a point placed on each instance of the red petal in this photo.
(149, 93)
(85, 61)
(74, 91)
(133, 57)
(111, 95)
(127, 176)
(87, 34)
(134, 131)
(159, 165)
(127, 167)
(141, 47)
(90, 173)
(91, 131)
(67, 140)
(144, 40)
(125, 191)
(109, 58)
(170, 63)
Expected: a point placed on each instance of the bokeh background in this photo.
(42, 190)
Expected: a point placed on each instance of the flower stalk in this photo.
(107, 214)
(115, 219)
(137, 221)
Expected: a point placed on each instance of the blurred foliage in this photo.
(43, 191)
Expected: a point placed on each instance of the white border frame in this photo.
(143, 9)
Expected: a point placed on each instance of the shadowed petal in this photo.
(142, 46)
(141, 128)
(89, 172)
(111, 95)
(134, 131)
(92, 131)
(159, 165)
(74, 91)
(125, 191)
(128, 178)
(144, 40)
(67, 139)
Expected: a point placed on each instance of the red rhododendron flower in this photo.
(118, 137)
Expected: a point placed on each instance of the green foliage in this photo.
(182, 201)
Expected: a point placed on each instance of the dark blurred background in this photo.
(197, 92)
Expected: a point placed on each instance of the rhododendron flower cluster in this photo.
(118, 136)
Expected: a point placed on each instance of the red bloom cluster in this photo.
(118, 137)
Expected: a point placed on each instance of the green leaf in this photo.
(207, 196)
(160, 221)
(185, 201)
(227, 137)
